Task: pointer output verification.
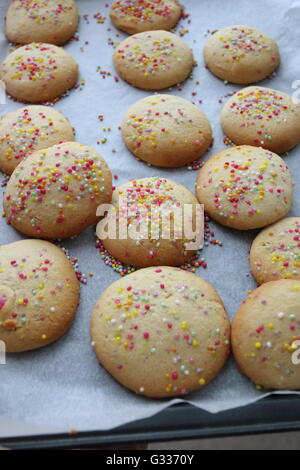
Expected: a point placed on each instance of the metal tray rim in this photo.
(183, 421)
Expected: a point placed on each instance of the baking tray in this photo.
(276, 413)
(273, 414)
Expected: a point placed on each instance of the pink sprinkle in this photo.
(260, 329)
(146, 335)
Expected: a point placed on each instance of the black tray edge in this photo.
(273, 414)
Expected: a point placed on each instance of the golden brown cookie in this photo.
(29, 129)
(49, 21)
(263, 334)
(136, 16)
(38, 72)
(161, 332)
(54, 193)
(149, 219)
(153, 60)
(245, 187)
(275, 252)
(39, 294)
(166, 130)
(262, 117)
(241, 54)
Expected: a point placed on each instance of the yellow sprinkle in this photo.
(184, 325)
(295, 287)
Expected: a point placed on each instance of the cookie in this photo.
(241, 54)
(161, 332)
(262, 117)
(275, 252)
(263, 334)
(38, 72)
(166, 131)
(29, 129)
(41, 21)
(39, 294)
(54, 193)
(245, 187)
(136, 16)
(148, 231)
(153, 60)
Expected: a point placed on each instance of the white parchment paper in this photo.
(62, 386)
